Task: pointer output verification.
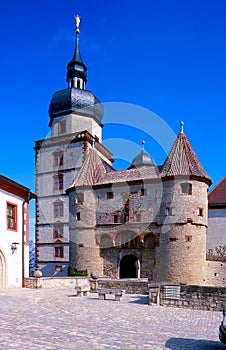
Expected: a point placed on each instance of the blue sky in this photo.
(168, 57)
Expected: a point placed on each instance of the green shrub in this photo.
(80, 273)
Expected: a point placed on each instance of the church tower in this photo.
(75, 121)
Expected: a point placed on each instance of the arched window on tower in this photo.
(78, 84)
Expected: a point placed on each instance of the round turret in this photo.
(142, 159)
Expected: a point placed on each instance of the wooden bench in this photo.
(82, 291)
(118, 293)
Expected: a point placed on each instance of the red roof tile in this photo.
(91, 171)
(133, 174)
(182, 160)
(218, 193)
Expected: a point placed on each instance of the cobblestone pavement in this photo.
(56, 319)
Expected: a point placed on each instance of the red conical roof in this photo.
(182, 160)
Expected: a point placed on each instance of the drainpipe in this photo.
(23, 254)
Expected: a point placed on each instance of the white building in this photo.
(14, 232)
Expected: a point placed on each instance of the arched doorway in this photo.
(129, 266)
(2, 270)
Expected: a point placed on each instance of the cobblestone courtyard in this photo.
(56, 319)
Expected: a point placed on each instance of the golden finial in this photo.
(77, 21)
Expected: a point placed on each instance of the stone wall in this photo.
(216, 232)
(131, 286)
(192, 297)
(216, 273)
(55, 282)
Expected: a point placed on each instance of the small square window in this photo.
(143, 192)
(77, 216)
(116, 218)
(110, 195)
(200, 211)
(186, 188)
(188, 238)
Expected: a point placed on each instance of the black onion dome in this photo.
(142, 159)
(75, 100)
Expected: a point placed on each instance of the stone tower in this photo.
(181, 257)
(75, 121)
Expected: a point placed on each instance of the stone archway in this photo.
(2, 270)
(129, 266)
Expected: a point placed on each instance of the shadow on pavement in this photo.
(193, 344)
(139, 300)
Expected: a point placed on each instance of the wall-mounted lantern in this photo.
(14, 246)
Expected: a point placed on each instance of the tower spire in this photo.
(181, 127)
(76, 69)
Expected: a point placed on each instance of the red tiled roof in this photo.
(133, 174)
(91, 171)
(94, 172)
(182, 160)
(218, 193)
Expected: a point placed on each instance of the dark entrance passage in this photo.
(128, 266)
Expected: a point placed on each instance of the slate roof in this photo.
(142, 159)
(182, 160)
(218, 194)
(75, 100)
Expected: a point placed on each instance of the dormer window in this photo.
(110, 195)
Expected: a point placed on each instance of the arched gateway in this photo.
(2, 270)
(129, 267)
